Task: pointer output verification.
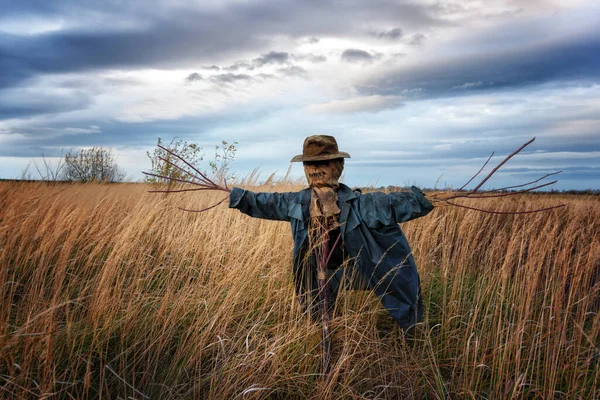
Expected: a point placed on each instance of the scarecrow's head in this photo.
(323, 162)
(324, 173)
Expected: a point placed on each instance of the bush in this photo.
(92, 165)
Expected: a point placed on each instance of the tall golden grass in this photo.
(108, 291)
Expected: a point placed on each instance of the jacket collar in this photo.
(345, 194)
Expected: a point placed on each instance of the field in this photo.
(108, 291)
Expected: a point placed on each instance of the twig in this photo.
(180, 168)
(528, 183)
(501, 164)
(492, 193)
(478, 172)
(171, 178)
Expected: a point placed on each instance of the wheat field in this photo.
(108, 291)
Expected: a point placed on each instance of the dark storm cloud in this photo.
(79, 51)
(565, 61)
(27, 103)
(51, 138)
(356, 56)
(123, 35)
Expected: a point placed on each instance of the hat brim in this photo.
(300, 157)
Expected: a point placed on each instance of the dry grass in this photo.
(107, 291)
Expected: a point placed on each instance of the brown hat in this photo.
(319, 148)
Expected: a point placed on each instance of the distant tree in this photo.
(92, 165)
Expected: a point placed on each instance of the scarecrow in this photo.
(332, 224)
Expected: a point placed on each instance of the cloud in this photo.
(572, 60)
(490, 77)
(311, 40)
(230, 78)
(417, 39)
(273, 57)
(357, 104)
(194, 77)
(468, 85)
(357, 56)
(27, 102)
(313, 58)
(293, 70)
(391, 34)
(119, 35)
(239, 65)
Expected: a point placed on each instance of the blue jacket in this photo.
(370, 234)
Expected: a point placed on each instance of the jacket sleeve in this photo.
(381, 209)
(261, 205)
(410, 205)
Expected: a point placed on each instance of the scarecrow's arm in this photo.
(273, 206)
(409, 205)
(378, 208)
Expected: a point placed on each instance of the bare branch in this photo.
(170, 178)
(478, 172)
(501, 164)
(181, 169)
(525, 184)
(187, 163)
(492, 193)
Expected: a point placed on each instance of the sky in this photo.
(418, 92)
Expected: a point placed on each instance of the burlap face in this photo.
(324, 173)
(323, 177)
